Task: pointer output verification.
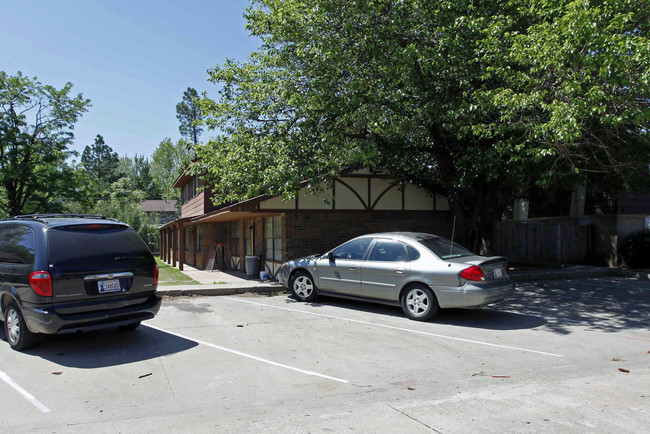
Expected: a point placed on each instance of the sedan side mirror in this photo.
(330, 256)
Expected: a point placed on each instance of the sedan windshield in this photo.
(443, 248)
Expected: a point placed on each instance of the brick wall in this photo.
(318, 232)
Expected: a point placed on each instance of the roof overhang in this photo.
(182, 179)
(244, 210)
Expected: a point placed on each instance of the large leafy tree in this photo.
(476, 100)
(138, 171)
(36, 123)
(574, 93)
(123, 203)
(189, 115)
(168, 161)
(101, 163)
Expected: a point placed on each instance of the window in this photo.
(273, 238)
(80, 248)
(413, 253)
(199, 238)
(186, 196)
(17, 245)
(355, 249)
(234, 239)
(389, 251)
(444, 248)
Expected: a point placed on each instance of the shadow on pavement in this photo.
(483, 318)
(609, 304)
(110, 347)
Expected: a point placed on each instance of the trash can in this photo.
(252, 265)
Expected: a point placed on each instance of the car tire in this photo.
(129, 327)
(302, 286)
(419, 303)
(18, 335)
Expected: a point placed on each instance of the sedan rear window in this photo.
(444, 248)
(82, 247)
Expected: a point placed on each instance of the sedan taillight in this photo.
(473, 273)
(41, 283)
(156, 273)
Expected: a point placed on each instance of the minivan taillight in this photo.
(473, 273)
(41, 283)
(156, 272)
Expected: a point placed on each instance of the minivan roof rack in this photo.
(44, 216)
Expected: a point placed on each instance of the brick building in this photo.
(273, 230)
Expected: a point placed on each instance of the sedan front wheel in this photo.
(419, 303)
(302, 286)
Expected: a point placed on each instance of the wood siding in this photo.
(194, 207)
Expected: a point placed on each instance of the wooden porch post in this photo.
(174, 246)
(166, 245)
(181, 246)
(168, 259)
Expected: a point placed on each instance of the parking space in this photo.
(564, 356)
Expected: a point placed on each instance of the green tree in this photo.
(451, 95)
(168, 162)
(189, 115)
(123, 203)
(574, 89)
(36, 123)
(101, 163)
(138, 171)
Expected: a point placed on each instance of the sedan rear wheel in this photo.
(302, 286)
(419, 303)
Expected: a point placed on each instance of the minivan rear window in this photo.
(94, 246)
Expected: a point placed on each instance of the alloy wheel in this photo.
(417, 302)
(13, 326)
(303, 286)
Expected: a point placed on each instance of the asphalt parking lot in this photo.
(560, 356)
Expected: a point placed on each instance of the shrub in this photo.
(635, 250)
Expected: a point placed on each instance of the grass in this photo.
(172, 276)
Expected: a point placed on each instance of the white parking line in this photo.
(28, 396)
(250, 356)
(397, 328)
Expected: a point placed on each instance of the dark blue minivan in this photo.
(63, 273)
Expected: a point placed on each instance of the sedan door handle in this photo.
(353, 268)
(400, 271)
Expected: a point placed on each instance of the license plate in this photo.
(109, 286)
(498, 273)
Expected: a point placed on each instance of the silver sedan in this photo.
(420, 272)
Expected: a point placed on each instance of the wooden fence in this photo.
(543, 243)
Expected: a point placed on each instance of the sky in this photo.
(132, 58)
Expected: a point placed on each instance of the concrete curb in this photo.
(518, 276)
(268, 288)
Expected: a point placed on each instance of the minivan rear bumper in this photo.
(44, 319)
